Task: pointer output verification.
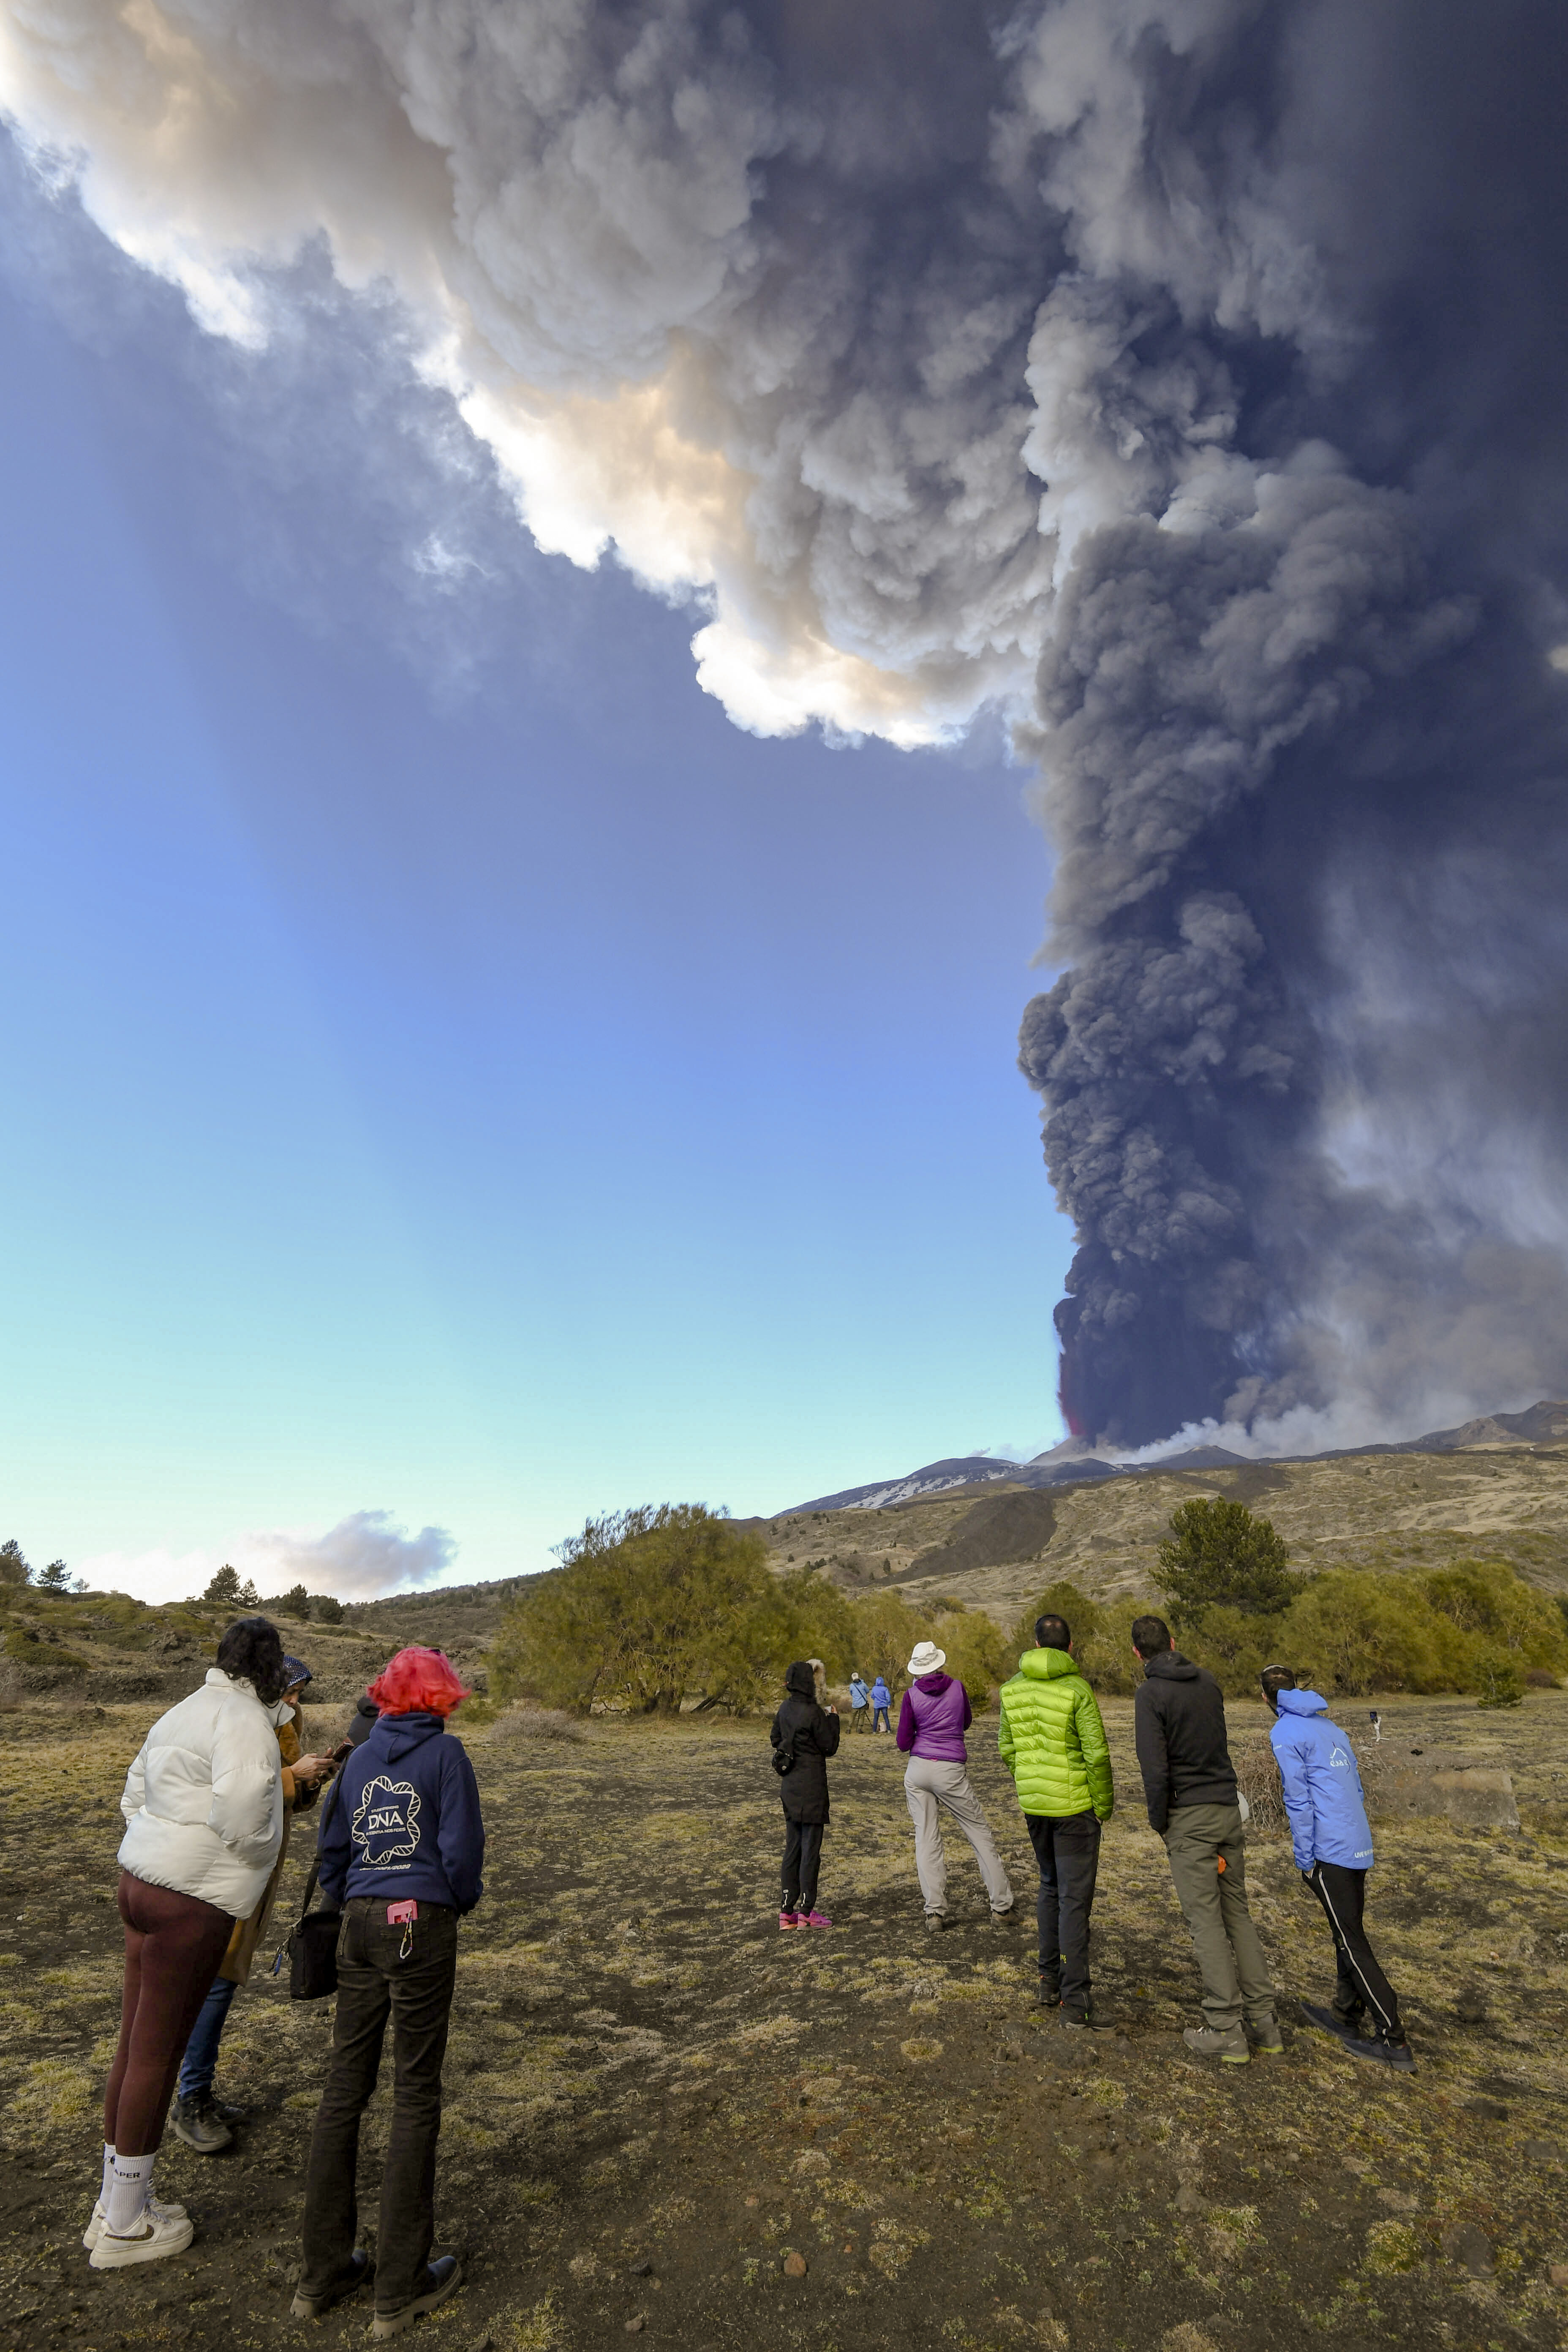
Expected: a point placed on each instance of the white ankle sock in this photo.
(107, 2176)
(130, 2187)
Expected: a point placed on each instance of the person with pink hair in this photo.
(402, 1851)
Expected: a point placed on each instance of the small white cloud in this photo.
(364, 1555)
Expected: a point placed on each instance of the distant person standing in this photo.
(1332, 1840)
(203, 1822)
(402, 1851)
(804, 1735)
(860, 1701)
(881, 1701)
(933, 1720)
(1052, 1743)
(1189, 1786)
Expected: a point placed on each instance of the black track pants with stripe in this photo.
(1363, 1988)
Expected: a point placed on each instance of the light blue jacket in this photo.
(1323, 1794)
(859, 1693)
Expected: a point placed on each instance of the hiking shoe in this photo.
(814, 1920)
(198, 2122)
(314, 2306)
(1085, 2017)
(1049, 1996)
(1397, 2054)
(154, 2237)
(94, 2230)
(444, 2273)
(935, 1921)
(1267, 2039)
(788, 1919)
(1230, 2048)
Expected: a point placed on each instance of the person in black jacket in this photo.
(803, 1736)
(1189, 1787)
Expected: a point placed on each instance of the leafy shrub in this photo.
(1218, 1556)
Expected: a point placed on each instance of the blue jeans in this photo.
(199, 2063)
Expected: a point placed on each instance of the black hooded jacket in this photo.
(1178, 1721)
(815, 1733)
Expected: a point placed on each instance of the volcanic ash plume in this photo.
(1180, 378)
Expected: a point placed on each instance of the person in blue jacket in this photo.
(881, 1700)
(401, 1847)
(1332, 1842)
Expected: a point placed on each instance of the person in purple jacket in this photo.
(933, 1720)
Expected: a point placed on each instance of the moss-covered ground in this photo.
(654, 2097)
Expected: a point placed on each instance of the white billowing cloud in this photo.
(705, 304)
(363, 1556)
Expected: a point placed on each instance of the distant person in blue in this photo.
(860, 1701)
(881, 1700)
(1332, 1842)
(401, 1850)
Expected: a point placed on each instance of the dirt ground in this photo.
(654, 2097)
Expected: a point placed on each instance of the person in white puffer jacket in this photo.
(203, 1816)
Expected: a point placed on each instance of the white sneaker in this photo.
(94, 2230)
(156, 2235)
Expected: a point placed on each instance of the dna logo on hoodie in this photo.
(386, 1825)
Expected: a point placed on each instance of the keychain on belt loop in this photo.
(403, 1915)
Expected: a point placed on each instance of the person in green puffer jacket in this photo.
(1052, 1743)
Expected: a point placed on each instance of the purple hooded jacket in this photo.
(933, 1719)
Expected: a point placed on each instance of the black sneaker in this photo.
(1383, 2047)
(361, 2270)
(444, 2273)
(1329, 2020)
(198, 2122)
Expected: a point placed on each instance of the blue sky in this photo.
(451, 1072)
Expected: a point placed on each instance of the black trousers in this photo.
(376, 1981)
(802, 1860)
(1363, 1988)
(1067, 1851)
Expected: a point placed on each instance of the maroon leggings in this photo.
(173, 1948)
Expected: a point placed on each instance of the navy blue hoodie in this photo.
(404, 1818)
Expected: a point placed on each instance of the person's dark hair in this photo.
(252, 1651)
(1274, 1680)
(1053, 1633)
(1150, 1637)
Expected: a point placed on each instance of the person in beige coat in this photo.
(203, 1808)
(202, 2119)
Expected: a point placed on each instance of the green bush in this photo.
(1475, 1626)
(1219, 1556)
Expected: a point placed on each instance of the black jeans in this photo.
(802, 1860)
(1361, 1985)
(1067, 1851)
(375, 1982)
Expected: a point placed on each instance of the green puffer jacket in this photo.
(1052, 1739)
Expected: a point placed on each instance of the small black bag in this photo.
(783, 1758)
(312, 1944)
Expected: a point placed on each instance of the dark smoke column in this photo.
(1302, 719)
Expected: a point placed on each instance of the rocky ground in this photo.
(666, 2119)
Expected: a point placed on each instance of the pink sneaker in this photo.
(788, 1919)
(816, 1919)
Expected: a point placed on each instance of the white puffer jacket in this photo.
(204, 1800)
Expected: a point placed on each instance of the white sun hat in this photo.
(926, 1659)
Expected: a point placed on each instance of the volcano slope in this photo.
(654, 2098)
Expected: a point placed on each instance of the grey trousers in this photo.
(933, 1790)
(1209, 1868)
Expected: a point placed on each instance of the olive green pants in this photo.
(1200, 1839)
